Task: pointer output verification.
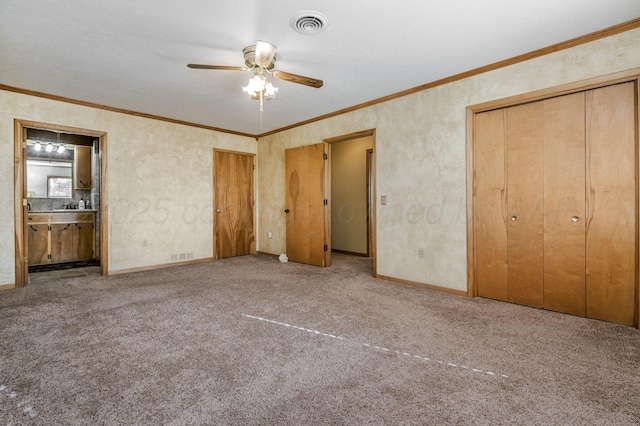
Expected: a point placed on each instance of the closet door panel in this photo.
(525, 207)
(490, 214)
(564, 192)
(612, 188)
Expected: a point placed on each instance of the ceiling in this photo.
(132, 55)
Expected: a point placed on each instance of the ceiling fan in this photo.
(261, 58)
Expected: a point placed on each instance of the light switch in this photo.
(383, 200)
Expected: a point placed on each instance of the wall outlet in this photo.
(269, 234)
(421, 252)
(145, 243)
(383, 200)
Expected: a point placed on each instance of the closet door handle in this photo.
(575, 218)
(513, 218)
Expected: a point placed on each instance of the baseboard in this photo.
(160, 266)
(351, 253)
(427, 286)
(268, 254)
(7, 286)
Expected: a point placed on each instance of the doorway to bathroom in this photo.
(60, 212)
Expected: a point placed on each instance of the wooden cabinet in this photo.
(83, 167)
(555, 210)
(61, 237)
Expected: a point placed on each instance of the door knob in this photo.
(574, 218)
(218, 211)
(286, 210)
(514, 218)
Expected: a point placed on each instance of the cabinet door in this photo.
(83, 167)
(82, 241)
(62, 243)
(38, 244)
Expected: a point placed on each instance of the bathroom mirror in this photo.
(49, 174)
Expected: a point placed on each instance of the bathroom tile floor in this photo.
(49, 276)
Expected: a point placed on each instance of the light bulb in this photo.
(60, 149)
(49, 147)
(37, 146)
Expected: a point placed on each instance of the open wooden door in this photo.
(307, 205)
(234, 204)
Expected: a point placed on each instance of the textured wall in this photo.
(160, 181)
(421, 162)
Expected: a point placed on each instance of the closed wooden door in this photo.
(525, 204)
(490, 209)
(612, 228)
(555, 204)
(234, 204)
(564, 193)
(305, 209)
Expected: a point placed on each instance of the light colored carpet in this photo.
(251, 341)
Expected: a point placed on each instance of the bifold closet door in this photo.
(564, 203)
(490, 221)
(612, 204)
(525, 203)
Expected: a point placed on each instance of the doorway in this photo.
(60, 198)
(352, 192)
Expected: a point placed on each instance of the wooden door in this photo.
(564, 218)
(525, 203)
(38, 236)
(612, 204)
(490, 216)
(234, 204)
(305, 209)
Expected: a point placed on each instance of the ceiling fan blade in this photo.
(216, 67)
(265, 52)
(294, 78)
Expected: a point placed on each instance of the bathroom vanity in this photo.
(61, 236)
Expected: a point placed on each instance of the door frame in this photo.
(253, 190)
(371, 213)
(632, 75)
(20, 193)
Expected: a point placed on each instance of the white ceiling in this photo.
(132, 54)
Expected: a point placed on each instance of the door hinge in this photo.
(49, 228)
(326, 247)
(325, 156)
(49, 256)
(24, 144)
(326, 202)
(26, 260)
(24, 202)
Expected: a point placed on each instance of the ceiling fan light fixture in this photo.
(265, 53)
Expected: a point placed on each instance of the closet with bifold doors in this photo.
(555, 203)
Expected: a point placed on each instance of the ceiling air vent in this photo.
(309, 22)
